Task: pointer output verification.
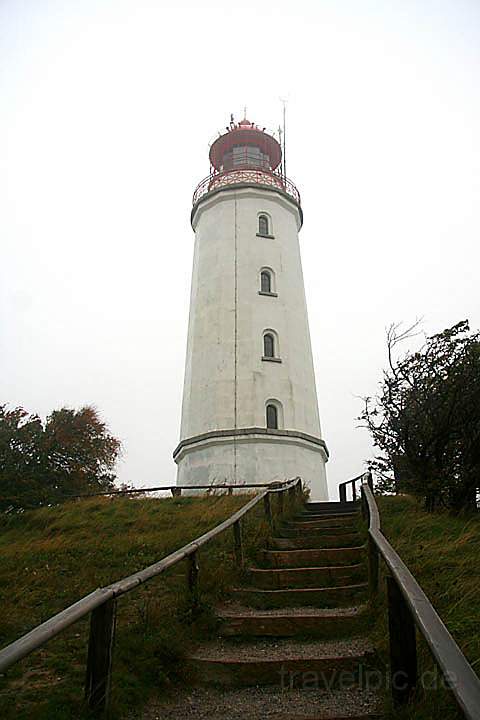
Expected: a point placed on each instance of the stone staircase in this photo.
(293, 640)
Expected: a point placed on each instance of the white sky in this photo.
(106, 111)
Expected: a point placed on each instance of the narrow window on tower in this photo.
(271, 346)
(265, 281)
(268, 345)
(263, 225)
(272, 417)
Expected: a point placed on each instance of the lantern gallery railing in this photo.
(249, 176)
(101, 603)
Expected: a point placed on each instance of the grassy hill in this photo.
(443, 552)
(54, 556)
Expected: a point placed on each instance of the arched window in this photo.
(268, 345)
(263, 225)
(272, 417)
(266, 281)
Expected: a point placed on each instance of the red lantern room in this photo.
(245, 146)
(245, 154)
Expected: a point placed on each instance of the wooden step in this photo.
(281, 662)
(325, 597)
(338, 514)
(275, 579)
(239, 621)
(340, 523)
(264, 703)
(331, 506)
(312, 557)
(321, 539)
(310, 543)
(344, 518)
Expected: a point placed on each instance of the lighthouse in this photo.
(250, 410)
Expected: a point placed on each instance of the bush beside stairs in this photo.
(293, 641)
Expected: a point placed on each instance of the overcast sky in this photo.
(106, 111)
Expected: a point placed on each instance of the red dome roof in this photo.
(245, 133)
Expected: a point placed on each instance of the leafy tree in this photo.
(20, 458)
(425, 421)
(72, 452)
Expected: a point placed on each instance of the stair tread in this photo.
(312, 550)
(329, 502)
(265, 703)
(326, 588)
(338, 520)
(332, 508)
(335, 514)
(325, 519)
(318, 525)
(312, 569)
(318, 533)
(274, 650)
(320, 540)
(235, 609)
(287, 553)
(299, 543)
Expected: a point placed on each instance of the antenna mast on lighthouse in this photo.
(284, 103)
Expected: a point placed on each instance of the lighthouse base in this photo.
(253, 456)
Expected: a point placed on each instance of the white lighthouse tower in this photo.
(250, 412)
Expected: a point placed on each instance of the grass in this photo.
(53, 556)
(442, 551)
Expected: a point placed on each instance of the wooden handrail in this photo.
(406, 594)
(174, 489)
(342, 488)
(97, 602)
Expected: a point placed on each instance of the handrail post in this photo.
(193, 585)
(99, 658)
(370, 480)
(403, 646)
(372, 567)
(343, 492)
(372, 552)
(364, 502)
(268, 509)
(291, 494)
(238, 543)
(299, 488)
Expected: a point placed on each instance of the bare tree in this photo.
(425, 421)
